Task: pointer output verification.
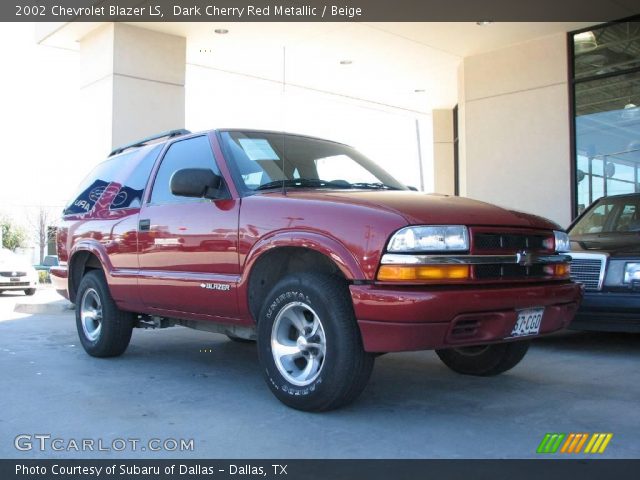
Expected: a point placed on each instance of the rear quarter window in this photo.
(127, 172)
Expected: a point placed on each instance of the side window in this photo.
(132, 188)
(628, 219)
(191, 153)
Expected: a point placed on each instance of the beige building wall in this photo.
(132, 85)
(443, 159)
(514, 128)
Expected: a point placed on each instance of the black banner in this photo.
(315, 11)
(319, 469)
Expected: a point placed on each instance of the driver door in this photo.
(188, 247)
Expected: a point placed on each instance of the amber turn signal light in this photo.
(403, 273)
(559, 270)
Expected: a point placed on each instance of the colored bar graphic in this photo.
(598, 443)
(551, 442)
(574, 442)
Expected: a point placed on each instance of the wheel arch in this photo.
(284, 255)
(83, 259)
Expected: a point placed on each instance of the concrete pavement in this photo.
(179, 384)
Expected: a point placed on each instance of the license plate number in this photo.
(528, 322)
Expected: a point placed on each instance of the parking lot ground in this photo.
(182, 384)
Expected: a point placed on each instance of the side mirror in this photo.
(196, 182)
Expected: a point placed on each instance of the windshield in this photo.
(609, 215)
(263, 161)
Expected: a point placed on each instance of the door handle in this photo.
(144, 225)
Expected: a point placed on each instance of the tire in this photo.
(484, 360)
(311, 316)
(104, 329)
(30, 292)
(233, 338)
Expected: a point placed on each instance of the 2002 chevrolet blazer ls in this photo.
(312, 250)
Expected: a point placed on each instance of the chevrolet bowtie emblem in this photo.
(524, 258)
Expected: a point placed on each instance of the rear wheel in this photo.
(484, 360)
(104, 329)
(309, 343)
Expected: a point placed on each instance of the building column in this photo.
(443, 157)
(132, 86)
(513, 117)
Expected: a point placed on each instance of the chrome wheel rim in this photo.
(91, 314)
(298, 344)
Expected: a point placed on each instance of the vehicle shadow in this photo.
(603, 342)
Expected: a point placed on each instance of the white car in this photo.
(16, 273)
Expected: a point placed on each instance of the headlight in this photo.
(430, 238)
(562, 241)
(631, 272)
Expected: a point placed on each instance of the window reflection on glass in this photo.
(607, 109)
(613, 48)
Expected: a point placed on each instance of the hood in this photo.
(621, 244)
(419, 208)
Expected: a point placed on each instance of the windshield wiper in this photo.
(303, 183)
(373, 185)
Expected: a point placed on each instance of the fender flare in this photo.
(93, 247)
(328, 246)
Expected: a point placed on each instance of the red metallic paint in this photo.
(418, 318)
(160, 271)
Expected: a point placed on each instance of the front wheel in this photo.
(104, 329)
(484, 360)
(309, 343)
(30, 292)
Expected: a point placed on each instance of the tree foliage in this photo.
(13, 236)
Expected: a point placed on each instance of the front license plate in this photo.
(528, 322)
(14, 280)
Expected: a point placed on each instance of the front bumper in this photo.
(60, 280)
(394, 319)
(23, 283)
(609, 312)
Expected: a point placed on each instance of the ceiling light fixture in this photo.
(630, 111)
(346, 62)
(584, 42)
(221, 31)
(483, 24)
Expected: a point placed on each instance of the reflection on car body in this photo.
(605, 246)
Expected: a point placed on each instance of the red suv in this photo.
(311, 249)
